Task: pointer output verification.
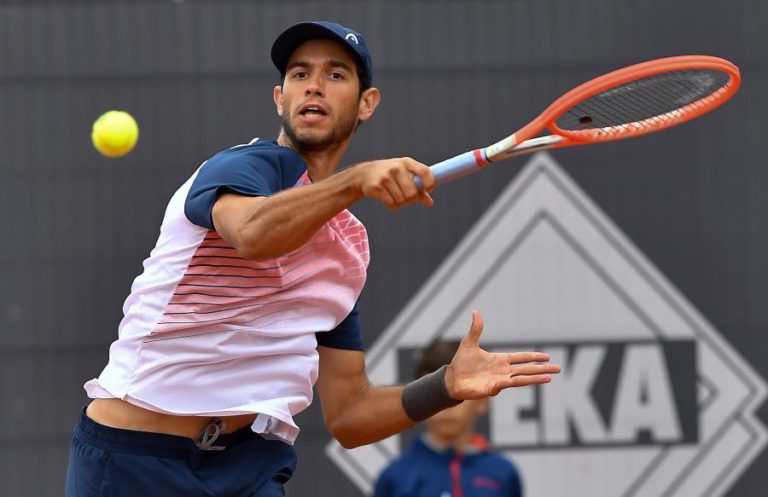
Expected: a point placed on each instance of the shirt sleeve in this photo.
(346, 335)
(241, 171)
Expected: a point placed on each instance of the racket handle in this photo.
(455, 167)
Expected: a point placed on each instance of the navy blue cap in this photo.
(297, 34)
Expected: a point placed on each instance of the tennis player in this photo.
(249, 299)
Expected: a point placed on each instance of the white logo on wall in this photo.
(652, 400)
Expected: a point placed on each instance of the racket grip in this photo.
(455, 167)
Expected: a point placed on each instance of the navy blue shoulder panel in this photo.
(259, 169)
(346, 335)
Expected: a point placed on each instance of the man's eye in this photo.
(337, 75)
(300, 74)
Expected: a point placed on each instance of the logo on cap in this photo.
(351, 36)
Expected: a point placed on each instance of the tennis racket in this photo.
(626, 103)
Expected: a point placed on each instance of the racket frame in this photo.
(524, 141)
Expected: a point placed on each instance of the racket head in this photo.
(639, 99)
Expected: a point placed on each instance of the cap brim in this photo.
(291, 38)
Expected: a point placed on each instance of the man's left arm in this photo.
(359, 413)
(356, 412)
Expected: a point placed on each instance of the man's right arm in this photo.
(268, 227)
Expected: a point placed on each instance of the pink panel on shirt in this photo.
(318, 283)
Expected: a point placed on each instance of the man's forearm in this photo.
(375, 413)
(285, 221)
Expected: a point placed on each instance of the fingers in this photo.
(517, 381)
(523, 357)
(475, 330)
(525, 368)
(522, 376)
(535, 369)
(402, 183)
(391, 181)
(394, 191)
(524, 381)
(425, 174)
(530, 374)
(405, 185)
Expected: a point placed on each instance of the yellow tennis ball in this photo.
(115, 133)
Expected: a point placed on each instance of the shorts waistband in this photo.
(148, 443)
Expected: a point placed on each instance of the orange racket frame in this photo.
(523, 141)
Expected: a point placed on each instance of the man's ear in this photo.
(369, 100)
(277, 96)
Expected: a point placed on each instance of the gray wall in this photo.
(454, 75)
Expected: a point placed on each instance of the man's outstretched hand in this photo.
(475, 373)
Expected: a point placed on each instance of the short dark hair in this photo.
(437, 354)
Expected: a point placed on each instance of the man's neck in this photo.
(320, 163)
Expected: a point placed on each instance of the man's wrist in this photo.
(352, 178)
(427, 396)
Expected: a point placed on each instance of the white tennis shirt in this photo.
(209, 333)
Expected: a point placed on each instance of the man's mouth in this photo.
(312, 110)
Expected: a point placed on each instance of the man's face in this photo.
(319, 101)
(450, 424)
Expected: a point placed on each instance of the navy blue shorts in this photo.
(106, 461)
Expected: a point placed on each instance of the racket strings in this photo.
(590, 116)
(602, 113)
(627, 107)
(642, 100)
(672, 116)
(647, 103)
(669, 86)
(649, 100)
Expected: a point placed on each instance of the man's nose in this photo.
(314, 87)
